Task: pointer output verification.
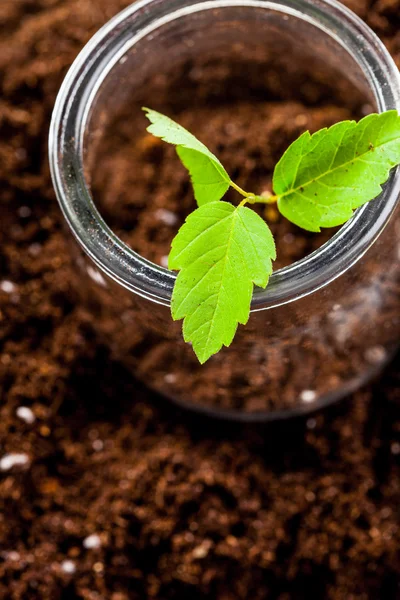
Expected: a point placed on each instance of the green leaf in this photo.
(220, 251)
(322, 178)
(209, 179)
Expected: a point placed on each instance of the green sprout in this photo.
(222, 250)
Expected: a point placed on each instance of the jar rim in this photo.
(154, 282)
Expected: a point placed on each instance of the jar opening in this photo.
(139, 32)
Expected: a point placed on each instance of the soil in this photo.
(105, 497)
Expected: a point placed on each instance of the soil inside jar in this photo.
(247, 113)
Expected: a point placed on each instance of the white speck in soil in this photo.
(35, 249)
(395, 448)
(301, 120)
(25, 414)
(21, 153)
(98, 445)
(24, 212)
(170, 378)
(288, 238)
(96, 276)
(7, 286)
(311, 423)
(12, 555)
(8, 461)
(127, 316)
(230, 128)
(308, 396)
(375, 354)
(68, 566)
(164, 261)
(202, 550)
(92, 542)
(166, 216)
(366, 109)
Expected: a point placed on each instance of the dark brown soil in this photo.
(182, 507)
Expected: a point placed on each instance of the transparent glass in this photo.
(325, 324)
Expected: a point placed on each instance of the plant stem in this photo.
(264, 199)
(240, 190)
(253, 198)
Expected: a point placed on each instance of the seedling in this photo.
(222, 250)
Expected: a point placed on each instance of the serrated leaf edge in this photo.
(341, 166)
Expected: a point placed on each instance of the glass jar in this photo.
(326, 323)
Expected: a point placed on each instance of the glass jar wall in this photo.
(326, 323)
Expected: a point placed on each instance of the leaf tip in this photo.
(147, 111)
(202, 356)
